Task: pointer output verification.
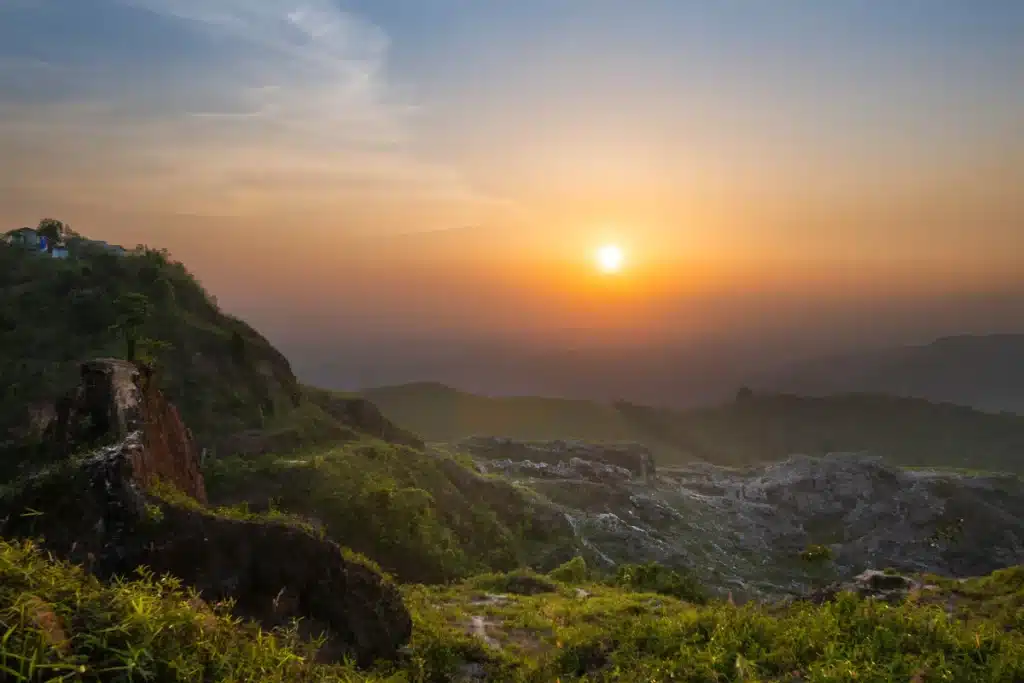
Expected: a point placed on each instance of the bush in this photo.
(572, 572)
(816, 554)
(654, 578)
(520, 582)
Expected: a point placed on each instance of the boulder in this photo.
(106, 512)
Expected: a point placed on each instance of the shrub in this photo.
(572, 572)
(655, 578)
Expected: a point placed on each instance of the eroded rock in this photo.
(115, 399)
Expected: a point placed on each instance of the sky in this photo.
(397, 167)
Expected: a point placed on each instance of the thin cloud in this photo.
(298, 115)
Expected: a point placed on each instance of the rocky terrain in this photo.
(780, 529)
(131, 495)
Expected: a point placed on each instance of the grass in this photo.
(57, 623)
(605, 633)
(423, 517)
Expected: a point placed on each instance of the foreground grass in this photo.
(59, 624)
(603, 633)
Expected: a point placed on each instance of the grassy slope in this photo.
(422, 516)
(57, 620)
(907, 431)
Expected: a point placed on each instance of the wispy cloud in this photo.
(296, 113)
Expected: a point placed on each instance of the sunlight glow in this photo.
(610, 258)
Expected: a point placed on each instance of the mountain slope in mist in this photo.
(986, 372)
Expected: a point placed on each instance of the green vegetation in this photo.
(54, 314)
(653, 578)
(573, 572)
(753, 429)
(606, 633)
(816, 554)
(58, 623)
(422, 516)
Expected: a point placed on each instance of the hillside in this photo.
(440, 413)
(906, 431)
(56, 313)
(234, 389)
(986, 372)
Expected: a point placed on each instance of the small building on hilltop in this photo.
(23, 237)
(30, 240)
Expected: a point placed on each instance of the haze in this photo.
(396, 191)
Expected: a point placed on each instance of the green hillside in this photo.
(235, 391)
(906, 431)
(223, 375)
(423, 516)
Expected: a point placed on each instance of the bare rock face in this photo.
(103, 512)
(117, 398)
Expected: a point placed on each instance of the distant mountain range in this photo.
(985, 372)
(752, 429)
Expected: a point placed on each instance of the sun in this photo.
(610, 258)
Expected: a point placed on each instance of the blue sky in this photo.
(514, 114)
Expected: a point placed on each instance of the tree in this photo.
(133, 311)
(52, 229)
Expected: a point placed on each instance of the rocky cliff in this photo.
(106, 511)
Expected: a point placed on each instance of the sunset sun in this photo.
(610, 258)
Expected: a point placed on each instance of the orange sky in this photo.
(742, 160)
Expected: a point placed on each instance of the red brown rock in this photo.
(115, 399)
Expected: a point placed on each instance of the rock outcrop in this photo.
(105, 512)
(115, 399)
(633, 458)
